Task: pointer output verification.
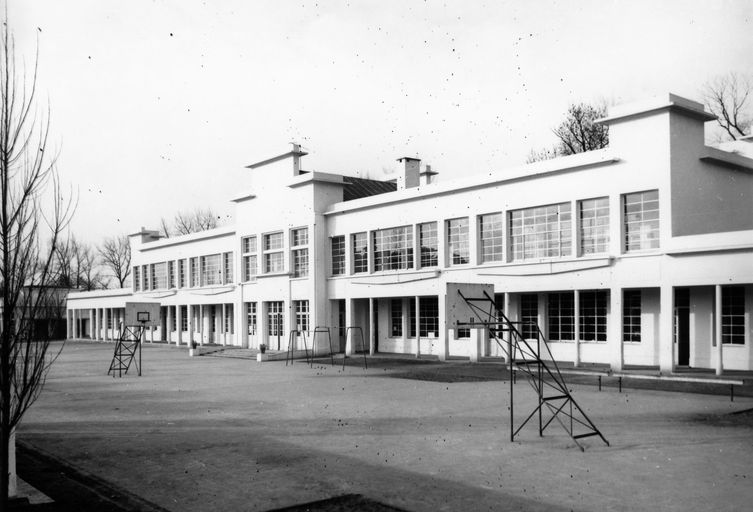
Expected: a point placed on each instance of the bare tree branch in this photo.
(115, 254)
(726, 97)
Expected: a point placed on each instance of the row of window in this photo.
(276, 318)
(210, 270)
(272, 254)
(533, 233)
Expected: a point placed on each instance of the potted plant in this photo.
(192, 349)
(262, 355)
(263, 348)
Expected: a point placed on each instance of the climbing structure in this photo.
(530, 354)
(126, 348)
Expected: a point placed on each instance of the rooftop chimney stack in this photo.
(427, 175)
(410, 177)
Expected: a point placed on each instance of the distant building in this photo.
(638, 254)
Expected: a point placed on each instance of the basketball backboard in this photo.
(142, 313)
(458, 310)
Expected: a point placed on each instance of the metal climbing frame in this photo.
(322, 330)
(540, 367)
(291, 348)
(129, 343)
(363, 344)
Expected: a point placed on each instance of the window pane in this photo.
(641, 218)
(490, 228)
(360, 253)
(457, 241)
(561, 316)
(541, 232)
(338, 255)
(594, 226)
(427, 233)
(393, 248)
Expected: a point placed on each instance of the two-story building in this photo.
(637, 254)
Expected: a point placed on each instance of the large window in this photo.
(733, 315)
(181, 273)
(136, 279)
(561, 316)
(541, 232)
(145, 277)
(171, 274)
(529, 315)
(337, 243)
(396, 318)
(412, 317)
(593, 315)
(194, 272)
(227, 263)
(457, 241)
(184, 318)
(251, 317)
(211, 273)
(275, 319)
(159, 276)
(594, 225)
(393, 248)
(360, 253)
(299, 240)
(631, 316)
(428, 321)
(301, 308)
(427, 239)
(248, 246)
(273, 256)
(641, 218)
(490, 234)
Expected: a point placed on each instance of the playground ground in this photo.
(226, 433)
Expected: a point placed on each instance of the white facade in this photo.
(638, 254)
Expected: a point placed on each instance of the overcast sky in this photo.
(157, 106)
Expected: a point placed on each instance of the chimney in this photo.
(409, 178)
(427, 175)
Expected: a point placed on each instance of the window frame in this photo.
(268, 251)
(458, 236)
(653, 235)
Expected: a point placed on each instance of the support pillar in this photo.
(169, 324)
(350, 320)
(614, 329)
(418, 331)
(718, 329)
(478, 341)
(223, 324)
(204, 325)
(666, 328)
(178, 325)
(372, 327)
(576, 305)
(189, 310)
(444, 333)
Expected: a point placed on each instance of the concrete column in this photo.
(614, 329)
(718, 329)
(222, 324)
(512, 316)
(350, 321)
(189, 311)
(666, 331)
(576, 304)
(121, 321)
(95, 324)
(418, 331)
(111, 330)
(178, 324)
(478, 340)
(74, 326)
(372, 326)
(245, 342)
(203, 323)
(169, 324)
(444, 333)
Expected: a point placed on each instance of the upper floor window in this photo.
(194, 271)
(490, 234)
(211, 273)
(171, 274)
(272, 249)
(159, 276)
(541, 232)
(594, 225)
(136, 278)
(227, 267)
(427, 239)
(457, 241)
(360, 253)
(299, 240)
(250, 264)
(145, 277)
(393, 248)
(181, 273)
(641, 218)
(338, 255)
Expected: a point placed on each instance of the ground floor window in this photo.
(229, 318)
(173, 320)
(183, 318)
(593, 315)
(251, 317)
(428, 321)
(561, 316)
(412, 317)
(733, 315)
(213, 318)
(396, 318)
(529, 315)
(275, 320)
(631, 315)
(301, 308)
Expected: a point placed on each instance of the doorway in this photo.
(682, 325)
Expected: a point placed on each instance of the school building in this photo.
(637, 254)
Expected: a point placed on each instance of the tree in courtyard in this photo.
(77, 266)
(184, 223)
(728, 98)
(33, 216)
(115, 255)
(577, 133)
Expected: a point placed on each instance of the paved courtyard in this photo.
(212, 433)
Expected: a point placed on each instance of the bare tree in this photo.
(727, 97)
(577, 133)
(32, 209)
(115, 254)
(77, 266)
(187, 222)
